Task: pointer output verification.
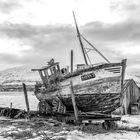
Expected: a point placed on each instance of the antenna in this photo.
(81, 44)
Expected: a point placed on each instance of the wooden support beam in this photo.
(73, 102)
(123, 73)
(11, 106)
(122, 80)
(26, 97)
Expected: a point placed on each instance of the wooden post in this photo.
(73, 102)
(71, 60)
(26, 97)
(123, 73)
(122, 80)
(11, 106)
(10, 114)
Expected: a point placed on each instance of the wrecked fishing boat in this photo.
(96, 88)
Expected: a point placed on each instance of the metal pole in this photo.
(71, 60)
(26, 97)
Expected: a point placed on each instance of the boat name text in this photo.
(87, 76)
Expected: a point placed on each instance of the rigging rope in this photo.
(95, 49)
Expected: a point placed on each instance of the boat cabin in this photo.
(49, 74)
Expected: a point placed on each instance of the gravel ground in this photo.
(48, 129)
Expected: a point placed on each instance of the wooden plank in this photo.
(11, 106)
(74, 103)
(123, 73)
(26, 97)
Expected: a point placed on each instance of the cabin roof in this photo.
(45, 67)
(127, 83)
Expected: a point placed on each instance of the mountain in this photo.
(19, 75)
(23, 74)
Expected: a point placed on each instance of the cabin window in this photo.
(57, 67)
(49, 72)
(52, 71)
(46, 72)
(43, 73)
(63, 70)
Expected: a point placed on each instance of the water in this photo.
(18, 100)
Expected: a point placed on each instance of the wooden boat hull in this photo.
(101, 103)
(97, 89)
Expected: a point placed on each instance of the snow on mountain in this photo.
(18, 75)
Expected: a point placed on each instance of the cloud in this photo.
(120, 39)
(115, 41)
(44, 42)
(128, 49)
(41, 12)
(7, 6)
(9, 58)
(39, 36)
(123, 31)
(29, 33)
(27, 30)
(127, 9)
(16, 47)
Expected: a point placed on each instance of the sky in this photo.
(34, 31)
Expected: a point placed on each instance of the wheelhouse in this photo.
(49, 74)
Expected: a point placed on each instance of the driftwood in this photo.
(17, 113)
(12, 113)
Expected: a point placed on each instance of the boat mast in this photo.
(81, 44)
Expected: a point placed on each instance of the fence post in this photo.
(26, 97)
